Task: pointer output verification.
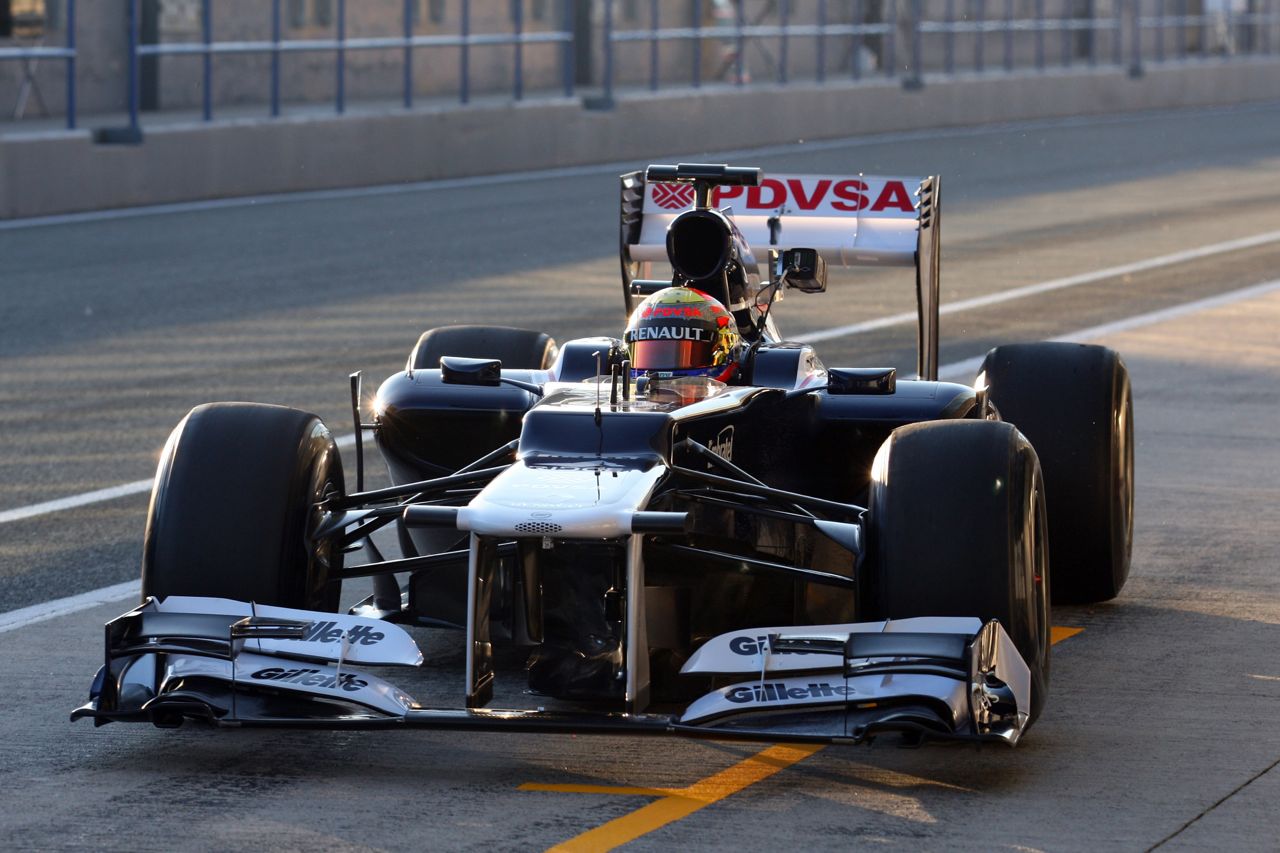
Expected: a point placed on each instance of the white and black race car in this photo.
(810, 552)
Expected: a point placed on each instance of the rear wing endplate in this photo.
(852, 220)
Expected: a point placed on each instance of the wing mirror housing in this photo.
(803, 269)
(456, 370)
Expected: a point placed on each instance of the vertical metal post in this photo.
(134, 75)
(784, 17)
(697, 44)
(915, 80)
(822, 41)
(980, 36)
(1008, 35)
(567, 56)
(855, 63)
(1160, 30)
(653, 45)
(1182, 29)
(340, 100)
(275, 58)
(71, 64)
(1093, 33)
(1066, 35)
(1135, 31)
(741, 41)
(1039, 35)
(407, 63)
(464, 54)
(608, 51)
(206, 36)
(949, 44)
(517, 23)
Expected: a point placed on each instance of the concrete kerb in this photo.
(64, 172)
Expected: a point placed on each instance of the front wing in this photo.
(235, 663)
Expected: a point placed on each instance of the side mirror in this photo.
(803, 269)
(456, 370)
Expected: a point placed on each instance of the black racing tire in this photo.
(1074, 404)
(233, 505)
(957, 528)
(516, 348)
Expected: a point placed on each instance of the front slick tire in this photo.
(234, 504)
(958, 529)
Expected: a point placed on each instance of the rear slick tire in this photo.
(1074, 404)
(234, 504)
(957, 528)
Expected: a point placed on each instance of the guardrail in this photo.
(668, 44)
(29, 55)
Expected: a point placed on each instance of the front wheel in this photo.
(957, 517)
(234, 505)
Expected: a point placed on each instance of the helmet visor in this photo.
(671, 355)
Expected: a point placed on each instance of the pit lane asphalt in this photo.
(1162, 708)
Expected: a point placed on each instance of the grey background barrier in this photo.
(65, 171)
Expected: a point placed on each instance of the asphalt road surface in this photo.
(1163, 724)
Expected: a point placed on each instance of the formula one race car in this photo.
(697, 529)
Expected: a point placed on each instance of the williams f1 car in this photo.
(785, 550)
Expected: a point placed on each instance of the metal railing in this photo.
(28, 56)
(407, 42)
(675, 44)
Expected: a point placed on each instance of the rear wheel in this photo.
(516, 348)
(1074, 404)
(234, 504)
(958, 529)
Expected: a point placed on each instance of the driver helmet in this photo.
(680, 331)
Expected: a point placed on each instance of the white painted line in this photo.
(968, 367)
(73, 604)
(616, 167)
(137, 487)
(84, 601)
(1048, 286)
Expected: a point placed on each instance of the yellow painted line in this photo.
(1058, 633)
(676, 803)
(673, 804)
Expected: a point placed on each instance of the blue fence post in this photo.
(408, 54)
(1159, 30)
(340, 97)
(608, 51)
(133, 77)
(822, 41)
(1064, 22)
(855, 64)
(1008, 35)
(1135, 60)
(653, 45)
(206, 35)
(949, 43)
(1182, 29)
(517, 22)
(980, 36)
(464, 54)
(915, 80)
(1039, 35)
(740, 20)
(697, 44)
(1093, 33)
(71, 65)
(568, 57)
(784, 20)
(275, 58)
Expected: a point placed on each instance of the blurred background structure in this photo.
(121, 69)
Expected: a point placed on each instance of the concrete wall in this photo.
(60, 172)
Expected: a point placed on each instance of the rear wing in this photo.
(852, 220)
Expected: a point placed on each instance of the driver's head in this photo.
(679, 331)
